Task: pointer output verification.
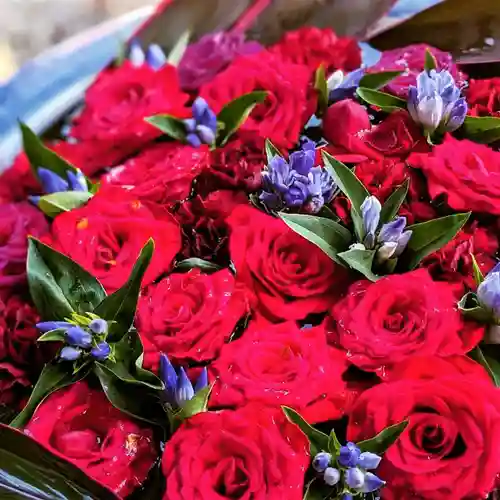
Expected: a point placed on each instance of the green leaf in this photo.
(58, 285)
(326, 234)
(313, 493)
(120, 306)
(41, 156)
(271, 151)
(470, 307)
(53, 336)
(393, 203)
(29, 471)
(169, 125)
(483, 129)
(361, 261)
(57, 203)
(386, 102)
(321, 86)
(177, 52)
(491, 365)
(376, 81)
(427, 237)
(318, 441)
(195, 263)
(234, 114)
(136, 400)
(384, 439)
(333, 443)
(478, 275)
(54, 376)
(430, 61)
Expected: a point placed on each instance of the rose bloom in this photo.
(81, 425)
(162, 173)
(211, 54)
(117, 103)
(282, 365)
(249, 453)
(465, 172)
(311, 46)
(289, 277)
(14, 385)
(18, 181)
(189, 316)
(453, 262)
(287, 107)
(449, 449)
(400, 316)
(106, 236)
(483, 97)
(411, 59)
(17, 222)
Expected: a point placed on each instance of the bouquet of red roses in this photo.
(253, 273)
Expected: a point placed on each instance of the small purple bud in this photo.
(403, 242)
(70, 353)
(331, 476)
(101, 351)
(199, 107)
(190, 124)
(168, 376)
(48, 326)
(488, 292)
(202, 381)
(78, 337)
(184, 390)
(206, 134)
(347, 496)
(386, 252)
(349, 454)
(393, 230)
(457, 115)
(321, 461)
(368, 460)
(372, 483)
(193, 140)
(99, 326)
(155, 57)
(355, 478)
(77, 182)
(370, 211)
(51, 183)
(136, 54)
(302, 161)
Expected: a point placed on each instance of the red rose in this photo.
(251, 453)
(162, 173)
(14, 384)
(411, 59)
(483, 97)
(453, 262)
(204, 227)
(311, 46)
(282, 365)
(106, 236)
(289, 276)
(117, 103)
(287, 107)
(450, 447)
(397, 317)
(80, 424)
(465, 172)
(17, 222)
(18, 181)
(189, 316)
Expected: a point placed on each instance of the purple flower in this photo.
(341, 87)
(101, 351)
(70, 353)
(371, 483)
(348, 455)
(321, 461)
(48, 326)
(393, 233)
(99, 326)
(370, 211)
(488, 292)
(154, 57)
(201, 129)
(355, 478)
(184, 391)
(77, 181)
(210, 55)
(331, 476)
(168, 376)
(368, 460)
(78, 337)
(51, 182)
(202, 380)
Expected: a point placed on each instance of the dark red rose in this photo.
(18, 181)
(287, 107)
(80, 424)
(453, 262)
(204, 226)
(106, 236)
(449, 449)
(282, 365)
(397, 317)
(411, 59)
(289, 276)
(14, 385)
(17, 222)
(465, 172)
(189, 316)
(311, 46)
(162, 173)
(117, 103)
(483, 97)
(245, 454)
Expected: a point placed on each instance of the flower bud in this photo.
(51, 183)
(99, 326)
(349, 454)
(369, 460)
(372, 483)
(331, 476)
(202, 381)
(136, 55)
(355, 478)
(155, 57)
(77, 336)
(48, 326)
(321, 461)
(184, 390)
(370, 210)
(77, 181)
(70, 353)
(168, 376)
(101, 351)
(488, 292)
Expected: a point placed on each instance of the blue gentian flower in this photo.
(371, 483)
(168, 375)
(348, 455)
(343, 87)
(368, 460)
(154, 57)
(331, 476)
(70, 353)
(436, 102)
(321, 461)
(370, 211)
(184, 391)
(78, 337)
(48, 326)
(355, 478)
(394, 239)
(99, 326)
(488, 292)
(202, 127)
(101, 351)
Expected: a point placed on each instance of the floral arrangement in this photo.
(254, 273)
